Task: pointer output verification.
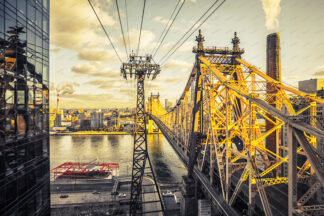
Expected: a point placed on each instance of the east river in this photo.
(116, 149)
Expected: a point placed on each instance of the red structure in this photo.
(85, 170)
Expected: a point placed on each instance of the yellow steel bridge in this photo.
(218, 128)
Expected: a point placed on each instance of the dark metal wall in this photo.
(24, 104)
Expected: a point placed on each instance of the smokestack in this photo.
(274, 71)
(57, 103)
(273, 56)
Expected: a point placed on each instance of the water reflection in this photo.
(119, 149)
(78, 140)
(160, 162)
(96, 139)
(113, 140)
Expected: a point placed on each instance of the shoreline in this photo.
(96, 133)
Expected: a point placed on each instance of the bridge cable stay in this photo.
(103, 28)
(168, 27)
(175, 47)
(121, 28)
(139, 37)
(240, 161)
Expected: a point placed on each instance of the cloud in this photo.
(100, 82)
(66, 88)
(125, 91)
(187, 46)
(154, 85)
(105, 84)
(319, 73)
(84, 68)
(161, 20)
(178, 64)
(87, 97)
(272, 10)
(164, 21)
(52, 86)
(55, 50)
(171, 80)
(91, 101)
(73, 23)
(97, 54)
(95, 69)
(147, 40)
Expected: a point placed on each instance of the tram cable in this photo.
(103, 28)
(195, 26)
(139, 38)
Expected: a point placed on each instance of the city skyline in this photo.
(85, 70)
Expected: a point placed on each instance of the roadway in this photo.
(149, 197)
(75, 198)
(211, 192)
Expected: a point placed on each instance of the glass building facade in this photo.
(24, 104)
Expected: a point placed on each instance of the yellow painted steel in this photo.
(245, 122)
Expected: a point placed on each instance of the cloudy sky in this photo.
(86, 72)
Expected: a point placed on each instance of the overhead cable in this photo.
(176, 46)
(139, 38)
(167, 26)
(103, 28)
(127, 26)
(121, 27)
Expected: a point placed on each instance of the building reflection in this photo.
(78, 140)
(24, 140)
(96, 139)
(113, 140)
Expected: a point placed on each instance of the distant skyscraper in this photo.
(97, 120)
(24, 82)
(58, 120)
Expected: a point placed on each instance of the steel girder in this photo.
(236, 134)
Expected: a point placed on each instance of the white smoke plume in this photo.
(272, 10)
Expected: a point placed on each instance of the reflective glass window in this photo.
(31, 12)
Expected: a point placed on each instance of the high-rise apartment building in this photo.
(97, 120)
(24, 97)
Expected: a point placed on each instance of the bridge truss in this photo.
(218, 126)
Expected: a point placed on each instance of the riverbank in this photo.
(93, 133)
(97, 133)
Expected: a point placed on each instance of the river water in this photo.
(116, 149)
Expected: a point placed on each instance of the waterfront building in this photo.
(97, 120)
(58, 119)
(24, 114)
(312, 86)
(316, 87)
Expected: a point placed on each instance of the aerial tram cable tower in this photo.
(141, 67)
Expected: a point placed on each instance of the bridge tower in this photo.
(155, 98)
(198, 135)
(140, 67)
